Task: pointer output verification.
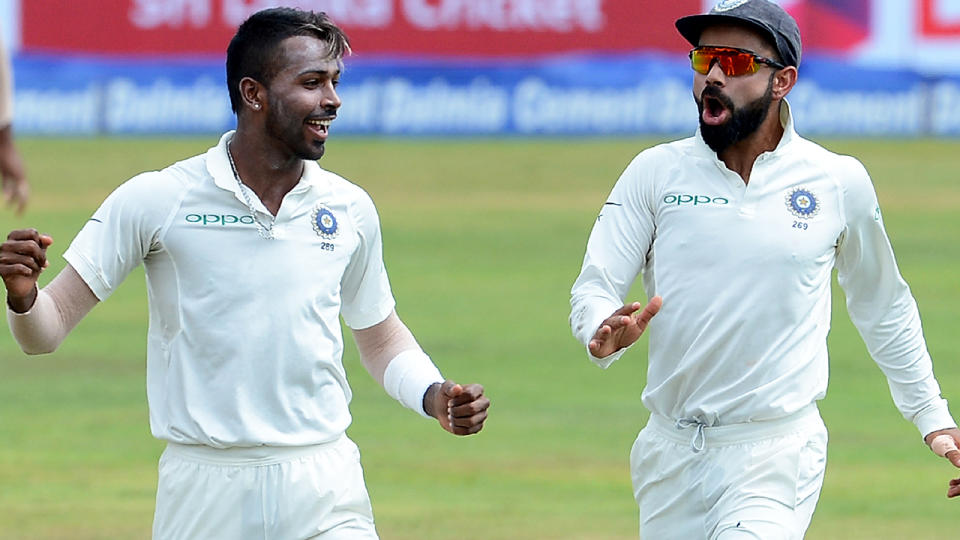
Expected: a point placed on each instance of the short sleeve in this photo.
(120, 234)
(365, 288)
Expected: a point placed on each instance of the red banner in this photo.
(434, 27)
(937, 22)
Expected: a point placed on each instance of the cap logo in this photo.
(727, 5)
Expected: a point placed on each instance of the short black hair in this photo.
(253, 50)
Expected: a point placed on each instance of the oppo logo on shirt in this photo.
(218, 219)
(694, 200)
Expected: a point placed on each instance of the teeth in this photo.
(323, 123)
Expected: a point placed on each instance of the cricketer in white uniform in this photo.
(252, 254)
(735, 232)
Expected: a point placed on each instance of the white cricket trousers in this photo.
(752, 481)
(276, 493)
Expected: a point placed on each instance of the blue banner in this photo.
(559, 96)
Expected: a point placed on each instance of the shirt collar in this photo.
(218, 165)
(786, 120)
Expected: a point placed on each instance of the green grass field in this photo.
(482, 240)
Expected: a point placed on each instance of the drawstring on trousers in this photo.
(699, 437)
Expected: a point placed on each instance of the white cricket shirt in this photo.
(244, 346)
(744, 272)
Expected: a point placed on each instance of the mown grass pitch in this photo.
(483, 239)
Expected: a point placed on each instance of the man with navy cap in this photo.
(735, 232)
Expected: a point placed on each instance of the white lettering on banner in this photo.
(858, 112)
(478, 107)
(359, 110)
(945, 119)
(148, 14)
(664, 107)
(164, 107)
(544, 15)
(57, 112)
(947, 11)
(358, 13)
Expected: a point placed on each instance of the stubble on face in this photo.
(291, 106)
(743, 122)
(286, 125)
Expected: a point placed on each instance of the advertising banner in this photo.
(891, 32)
(407, 27)
(894, 33)
(623, 95)
(481, 67)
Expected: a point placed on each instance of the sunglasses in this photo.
(734, 62)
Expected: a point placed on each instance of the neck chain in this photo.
(265, 230)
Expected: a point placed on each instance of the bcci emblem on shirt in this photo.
(802, 203)
(324, 222)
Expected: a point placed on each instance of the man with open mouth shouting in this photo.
(735, 232)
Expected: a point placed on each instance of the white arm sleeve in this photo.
(394, 358)
(57, 310)
(882, 307)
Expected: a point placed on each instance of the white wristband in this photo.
(408, 376)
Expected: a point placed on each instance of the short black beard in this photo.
(280, 127)
(743, 122)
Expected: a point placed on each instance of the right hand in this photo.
(623, 328)
(22, 258)
(460, 409)
(947, 449)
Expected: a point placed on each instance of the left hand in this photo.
(460, 409)
(623, 328)
(954, 456)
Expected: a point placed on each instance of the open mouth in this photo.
(715, 112)
(320, 126)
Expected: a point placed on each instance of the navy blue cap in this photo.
(762, 15)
